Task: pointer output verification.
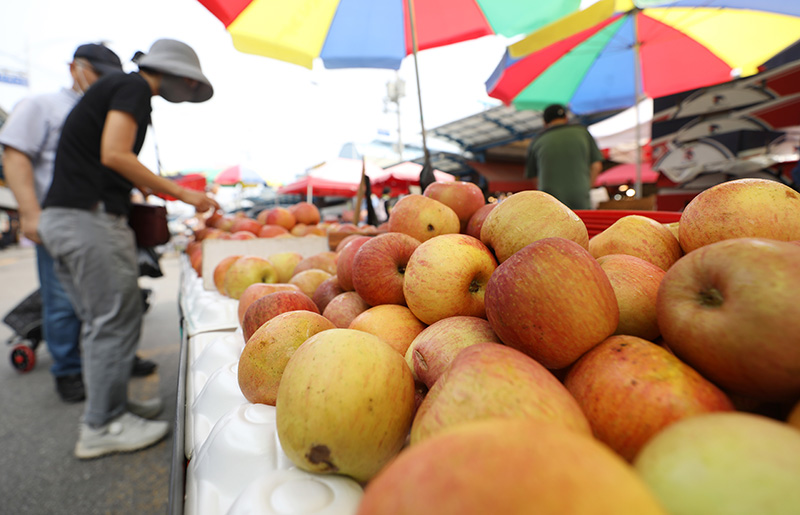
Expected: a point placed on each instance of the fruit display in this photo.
(493, 358)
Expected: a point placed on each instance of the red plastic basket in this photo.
(597, 220)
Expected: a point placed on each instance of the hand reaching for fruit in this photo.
(199, 200)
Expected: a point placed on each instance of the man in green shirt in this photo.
(565, 159)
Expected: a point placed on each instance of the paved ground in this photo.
(38, 473)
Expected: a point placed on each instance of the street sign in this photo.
(14, 77)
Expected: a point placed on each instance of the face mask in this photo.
(81, 81)
(176, 89)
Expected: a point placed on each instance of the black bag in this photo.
(149, 265)
(149, 222)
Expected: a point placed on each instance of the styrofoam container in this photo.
(242, 445)
(294, 491)
(207, 353)
(206, 311)
(220, 394)
(241, 468)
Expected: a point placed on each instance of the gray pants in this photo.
(95, 260)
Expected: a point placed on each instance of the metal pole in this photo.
(416, 71)
(637, 77)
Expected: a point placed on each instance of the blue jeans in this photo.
(60, 325)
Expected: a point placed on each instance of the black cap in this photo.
(102, 58)
(554, 112)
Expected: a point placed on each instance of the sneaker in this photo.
(149, 409)
(142, 367)
(70, 388)
(126, 433)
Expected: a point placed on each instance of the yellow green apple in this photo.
(345, 404)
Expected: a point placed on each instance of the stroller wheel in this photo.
(23, 358)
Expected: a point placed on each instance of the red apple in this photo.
(269, 306)
(225, 223)
(379, 268)
(271, 230)
(488, 380)
(261, 217)
(242, 235)
(464, 198)
(509, 467)
(213, 218)
(447, 276)
(344, 308)
(299, 229)
(325, 292)
(630, 389)
(309, 280)
(392, 323)
(475, 223)
(246, 224)
(268, 350)
(305, 213)
(281, 216)
(196, 259)
(551, 300)
(221, 269)
(422, 218)
(245, 271)
(635, 282)
(432, 351)
(741, 208)
(347, 239)
(258, 290)
(529, 216)
(321, 261)
(344, 263)
(729, 310)
(639, 236)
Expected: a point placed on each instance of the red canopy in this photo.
(400, 176)
(320, 187)
(625, 174)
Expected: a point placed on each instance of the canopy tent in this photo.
(399, 177)
(321, 187)
(342, 169)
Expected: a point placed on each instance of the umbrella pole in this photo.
(416, 72)
(637, 75)
(360, 195)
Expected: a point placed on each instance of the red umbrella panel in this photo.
(238, 174)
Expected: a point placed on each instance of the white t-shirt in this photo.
(34, 128)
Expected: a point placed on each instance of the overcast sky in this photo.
(275, 117)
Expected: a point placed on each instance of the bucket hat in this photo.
(102, 58)
(176, 58)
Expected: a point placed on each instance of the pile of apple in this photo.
(298, 220)
(491, 358)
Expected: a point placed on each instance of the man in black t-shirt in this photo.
(84, 226)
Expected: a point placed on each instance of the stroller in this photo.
(26, 318)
